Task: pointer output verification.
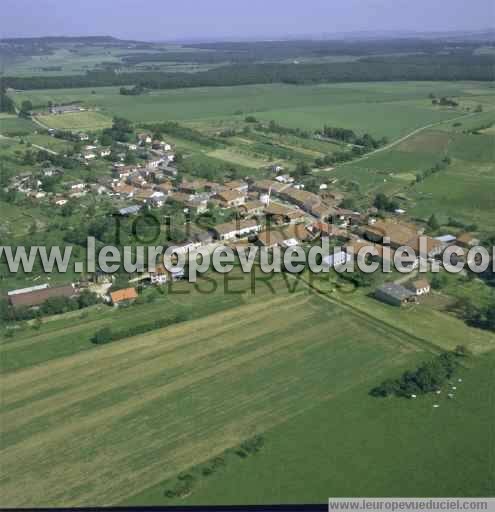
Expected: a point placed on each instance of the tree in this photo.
(433, 223)
(26, 108)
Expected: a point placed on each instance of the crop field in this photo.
(77, 121)
(390, 109)
(157, 404)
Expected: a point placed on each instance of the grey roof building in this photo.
(395, 294)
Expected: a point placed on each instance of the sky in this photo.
(163, 20)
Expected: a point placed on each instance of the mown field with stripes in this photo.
(102, 425)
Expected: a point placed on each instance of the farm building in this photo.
(125, 296)
(37, 297)
(395, 294)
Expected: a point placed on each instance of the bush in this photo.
(102, 336)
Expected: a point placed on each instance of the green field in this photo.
(412, 448)
(11, 125)
(84, 424)
(77, 121)
(383, 109)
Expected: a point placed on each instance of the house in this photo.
(129, 210)
(321, 211)
(426, 246)
(144, 196)
(302, 198)
(159, 276)
(267, 187)
(76, 186)
(105, 152)
(400, 234)
(236, 229)
(395, 295)
(124, 190)
(89, 155)
(280, 214)
(186, 247)
(284, 178)
(240, 186)
(230, 198)
(328, 230)
(446, 240)
(192, 203)
(34, 297)
(121, 171)
(154, 163)
(82, 136)
(420, 287)
(165, 187)
(144, 138)
(251, 208)
(52, 171)
(122, 297)
(382, 253)
(337, 259)
(271, 238)
(203, 238)
(192, 187)
(467, 240)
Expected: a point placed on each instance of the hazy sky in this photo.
(187, 19)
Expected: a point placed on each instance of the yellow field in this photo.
(100, 426)
(77, 121)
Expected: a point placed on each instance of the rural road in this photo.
(37, 146)
(405, 137)
(39, 123)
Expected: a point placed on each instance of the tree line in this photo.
(432, 68)
(427, 378)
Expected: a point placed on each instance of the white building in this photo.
(336, 259)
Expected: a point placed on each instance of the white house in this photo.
(336, 259)
(420, 287)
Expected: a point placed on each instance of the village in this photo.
(272, 212)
